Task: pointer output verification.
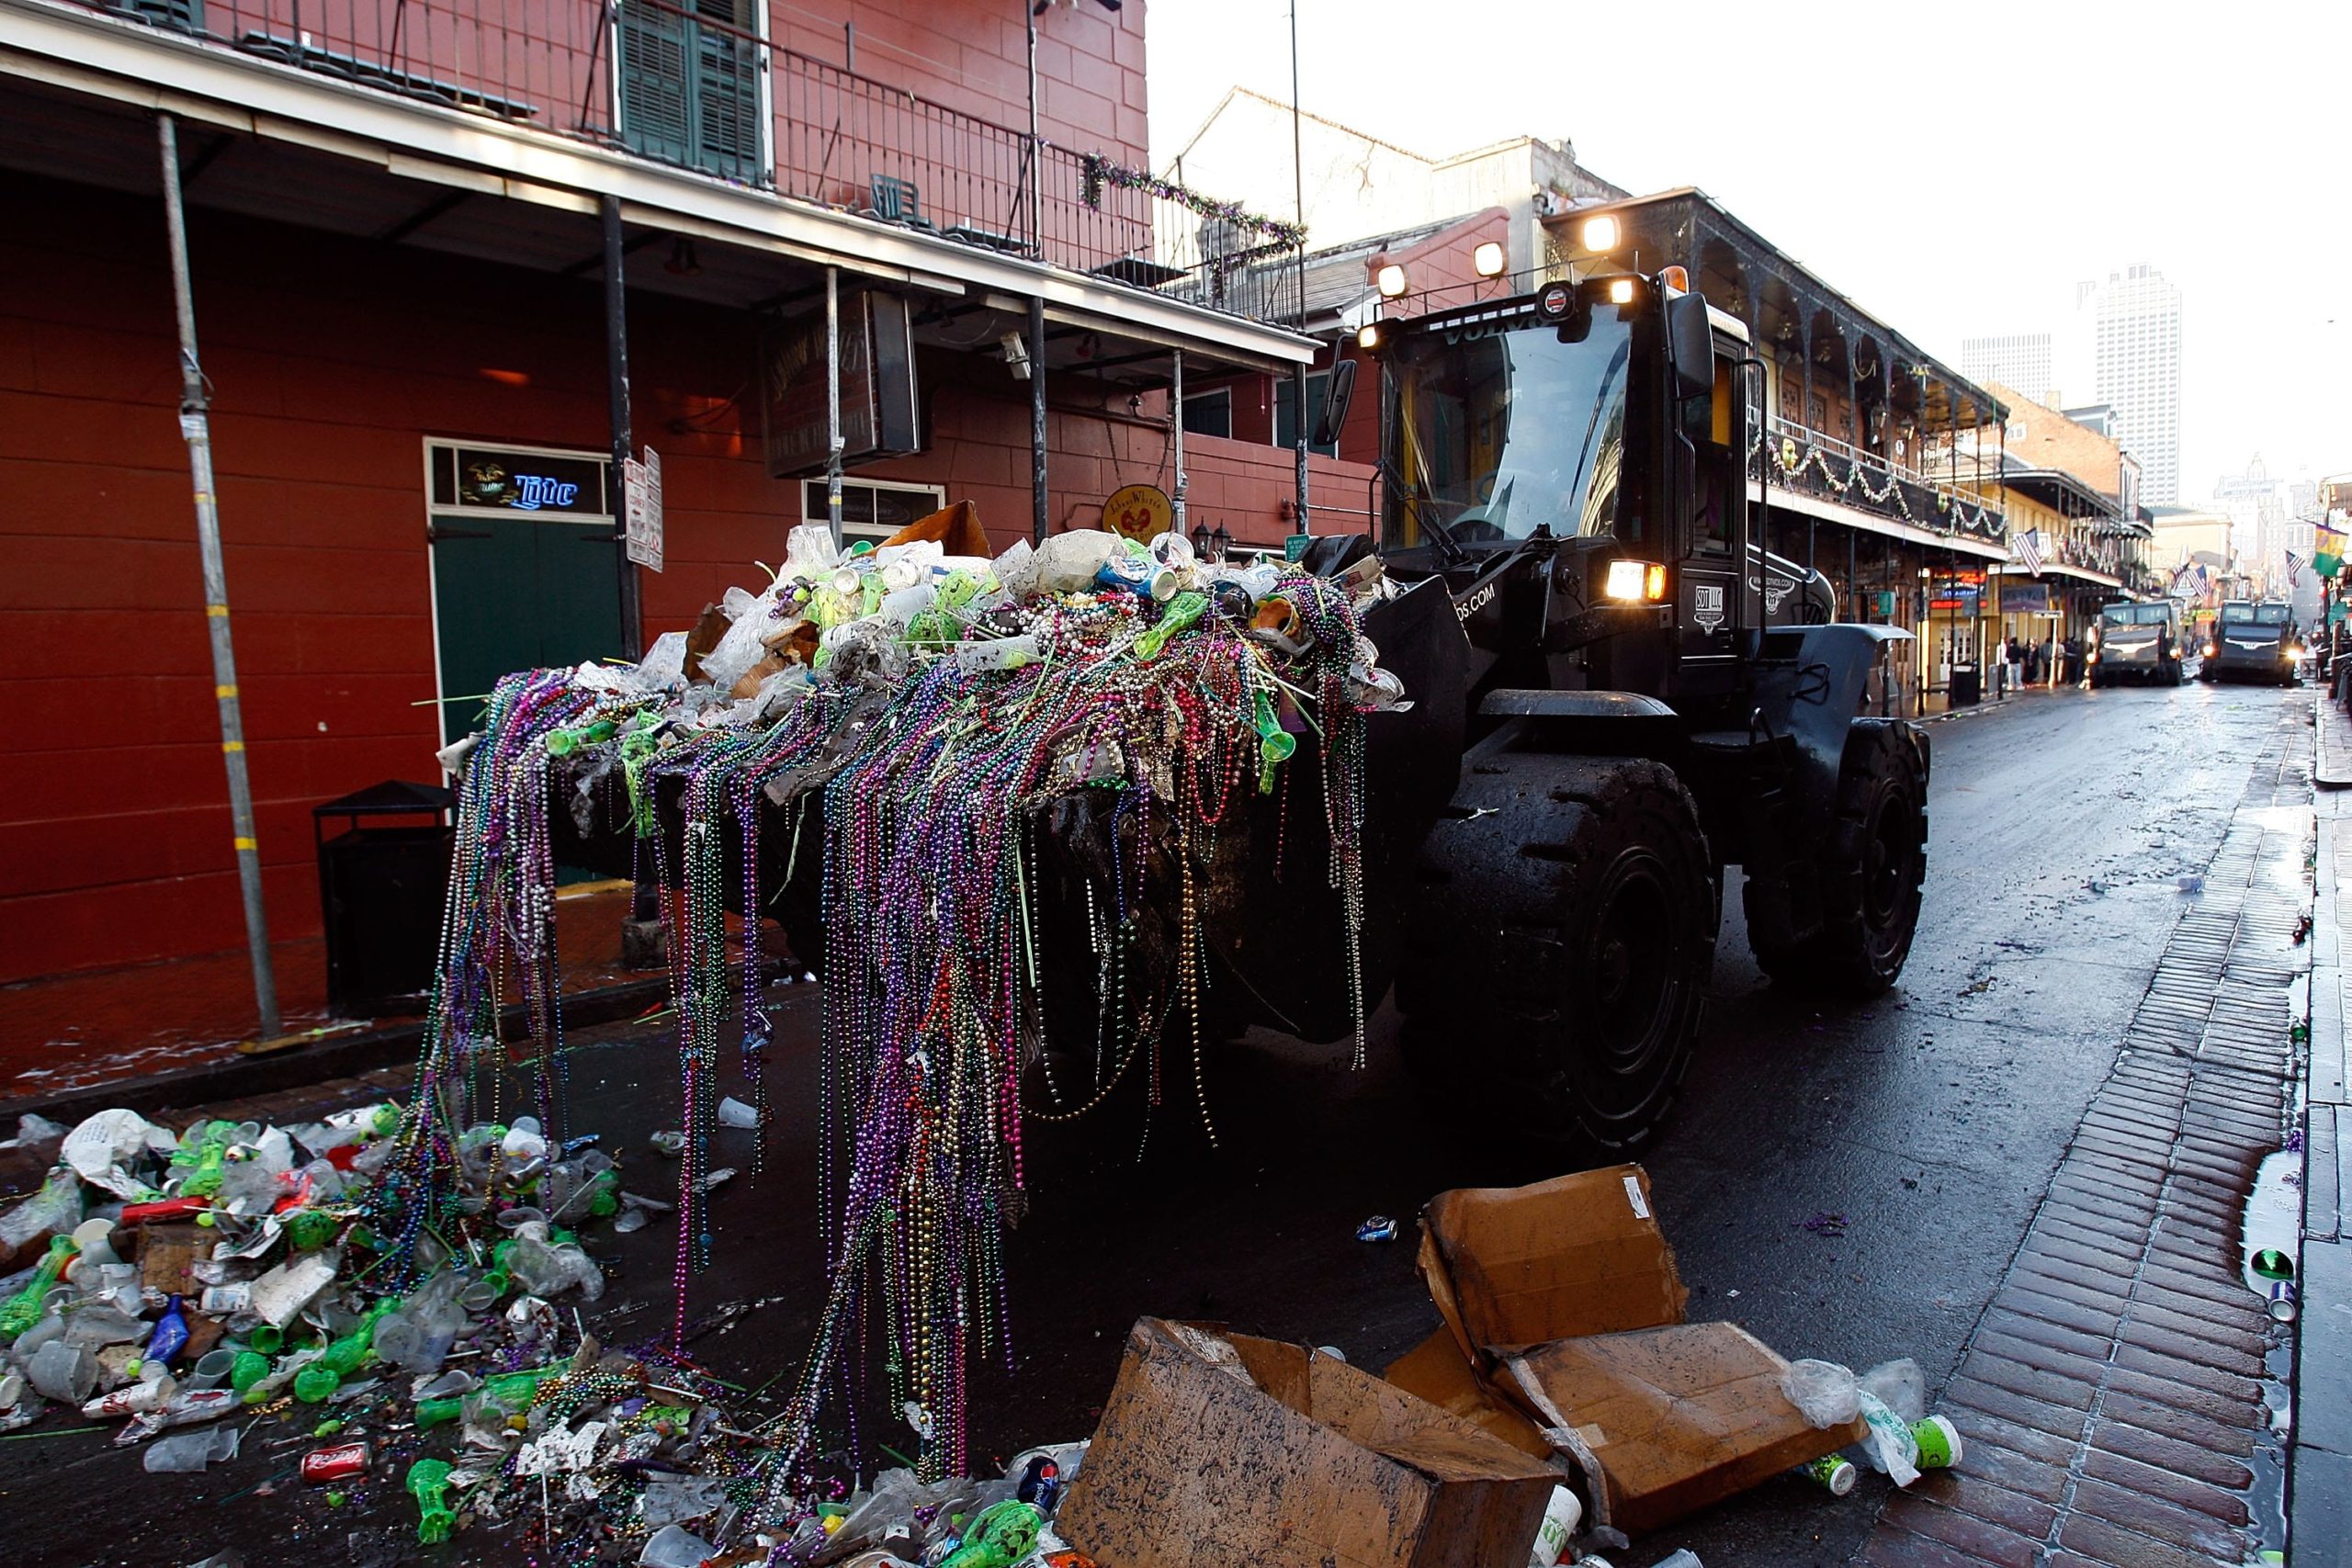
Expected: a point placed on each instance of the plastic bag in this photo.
(55, 1210)
(1901, 1386)
(191, 1451)
(1823, 1392)
(1889, 1448)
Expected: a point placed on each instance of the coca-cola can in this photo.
(340, 1462)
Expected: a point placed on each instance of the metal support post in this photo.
(1299, 395)
(617, 400)
(834, 443)
(1037, 519)
(195, 428)
(1176, 440)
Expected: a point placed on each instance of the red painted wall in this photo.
(973, 56)
(332, 361)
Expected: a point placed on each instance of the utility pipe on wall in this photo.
(196, 429)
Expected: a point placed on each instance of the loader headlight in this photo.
(2212, 649)
(1634, 581)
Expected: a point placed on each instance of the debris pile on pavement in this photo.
(222, 1291)
(226, 1290)
(953, 699)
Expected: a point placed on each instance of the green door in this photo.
(513, 591)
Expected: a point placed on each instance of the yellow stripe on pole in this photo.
(244, 844)
(216, 609)
(224, 691)
(233, 745)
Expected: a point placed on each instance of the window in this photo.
(872, 509)
(691, 82)
(550, 482)
(1209, 413)
(1318, 390)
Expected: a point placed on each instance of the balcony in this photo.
(1791, 457)
(691, 85)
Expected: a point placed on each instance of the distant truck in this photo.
(2137, 642)
(2254, 640)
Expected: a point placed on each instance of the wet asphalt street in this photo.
(1845, 1184)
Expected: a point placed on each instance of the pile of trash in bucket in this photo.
(901, 716)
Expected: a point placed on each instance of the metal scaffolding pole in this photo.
(195, 428)
(1298, 183)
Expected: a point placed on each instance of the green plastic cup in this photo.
(1939, 1442)
(266, 1339)
(1834, 1473)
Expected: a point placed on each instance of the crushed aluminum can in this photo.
(340, 1462)
(1380, 1227)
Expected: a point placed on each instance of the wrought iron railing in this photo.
(690, 83)
(1791, 457)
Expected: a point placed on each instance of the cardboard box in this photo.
(1219, 1449)
(1563, 1303)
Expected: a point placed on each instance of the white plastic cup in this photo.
(212, 1369)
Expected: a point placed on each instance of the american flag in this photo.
(2294, 568)
(2191, 581)
(2029, 550)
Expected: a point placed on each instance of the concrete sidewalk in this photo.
(2116, 1396)
(2320, 1494)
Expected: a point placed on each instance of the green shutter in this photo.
(657, 107)
(689, 93)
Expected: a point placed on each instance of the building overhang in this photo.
(1802, 504)
(141, 68)
(2061, 568)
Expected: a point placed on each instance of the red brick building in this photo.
(396, 241)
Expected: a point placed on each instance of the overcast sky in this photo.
(1954, 169)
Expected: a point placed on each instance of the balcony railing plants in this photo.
(692, 83)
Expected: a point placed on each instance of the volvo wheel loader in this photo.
(1619, 694)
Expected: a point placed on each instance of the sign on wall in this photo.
(877, 385)
(510, 479)
(1142, 512)
(2025, 598)
(641, 513)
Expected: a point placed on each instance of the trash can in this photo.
(1967, 687)
(383, 882)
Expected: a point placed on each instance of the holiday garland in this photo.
(1098, 172)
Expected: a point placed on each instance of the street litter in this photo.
(1380, 1227)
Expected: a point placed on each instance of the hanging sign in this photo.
(1142, 512)
(2025, 598)
(641, 499)
(877, 385)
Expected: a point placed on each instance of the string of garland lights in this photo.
(966, 732)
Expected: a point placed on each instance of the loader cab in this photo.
(1606, 419)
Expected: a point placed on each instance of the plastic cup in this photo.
(212, 1369)
(1939, 1442)
(266, 1339)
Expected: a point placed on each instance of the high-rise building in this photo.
(2021, 360)
(2129, 327)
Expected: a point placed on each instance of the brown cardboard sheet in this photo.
(1216, 1448)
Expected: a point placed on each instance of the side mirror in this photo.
(1690, 346)
(1336, 400)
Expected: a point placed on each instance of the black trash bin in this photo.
(1967, 687)
(381, 885)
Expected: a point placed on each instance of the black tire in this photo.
(1562, 945)
(1873, 869)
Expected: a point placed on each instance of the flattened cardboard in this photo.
(1679, 1417)
(1219, 1448)
(1563, 1299)
(1576, 1254)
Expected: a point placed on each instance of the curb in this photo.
(2319, 1473)
(237, 1077)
